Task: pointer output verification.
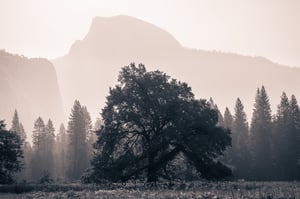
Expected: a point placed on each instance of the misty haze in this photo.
(130, 111)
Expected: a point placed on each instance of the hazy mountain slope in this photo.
(92, 65)
(30, 86)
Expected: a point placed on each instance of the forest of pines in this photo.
(152, 129)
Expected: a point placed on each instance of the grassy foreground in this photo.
(224, 190)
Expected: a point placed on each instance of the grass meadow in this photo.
(179, 190)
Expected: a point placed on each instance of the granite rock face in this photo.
(31, 87)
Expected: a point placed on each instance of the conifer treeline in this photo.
(268, 149)
(62, 157)
(265, 149)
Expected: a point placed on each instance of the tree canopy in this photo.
(150, 120)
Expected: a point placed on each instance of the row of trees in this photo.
(268, 149)
(63, 156)
(149, 117)
(154, 128)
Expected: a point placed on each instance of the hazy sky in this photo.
(47, 28)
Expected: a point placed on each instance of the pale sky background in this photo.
(47, 28)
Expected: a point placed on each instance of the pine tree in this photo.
(42, 139)
(49, 147)
(295, 112)
(10, 154)
(27, 151)
(61, 153)
(38, 146)
(91, 137)
(281, 131)
(228, 119)
(261, 126)
(15, 127)
(215, 107)
(18, 128)
(293, 139)
(240, 141)
(78, 146)
(27, 160)
(42, 153)
(22, 133)
(295, 129)
(88, 124)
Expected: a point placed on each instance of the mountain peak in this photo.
(113, 42)
(119, 34)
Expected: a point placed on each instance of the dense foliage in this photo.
(10, 154)
(151, 121)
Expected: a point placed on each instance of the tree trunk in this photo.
(151, 176)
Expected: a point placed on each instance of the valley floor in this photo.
(199, 190)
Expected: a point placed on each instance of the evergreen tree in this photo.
(281, 132)
(228, 119)
(38, 146)
(78, 145)
(61, 153)
(38, 156)
(27, 150)
(49, 147)
(215, 107)
(295, 129)
(295, 113)
(43, 140)
(261, 126)
(27, 160)
(90, 134)
(38, 133)
(10, 154)
(18, 128)
(286, 139)
(227, 124)
(240, 141)
(22, 133)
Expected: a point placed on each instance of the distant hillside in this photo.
(93, 63)
(30, 86)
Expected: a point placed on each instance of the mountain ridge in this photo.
(100, 55)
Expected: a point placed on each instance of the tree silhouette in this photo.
(286, 139)
(149, 120)
(228, 119)
(61, 149)
(18, 128)
(78, 129)
(215, 107)
(295, 129)
(10, 154)
(261, 128)
(240, 141)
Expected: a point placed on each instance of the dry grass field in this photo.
(221, 190)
